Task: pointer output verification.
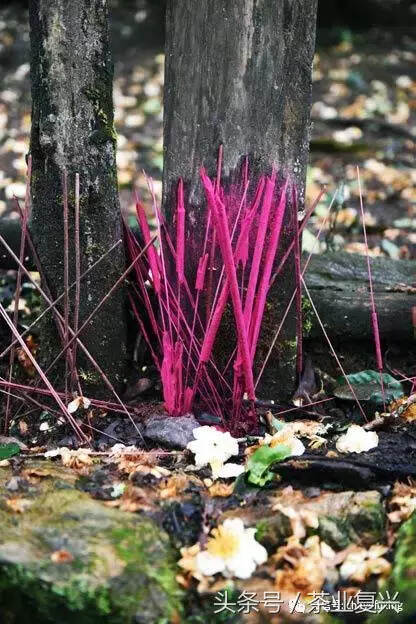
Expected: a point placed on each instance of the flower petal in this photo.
(204, 432)
(236, 525)
(241, 566)
(258, 552)
(230, 470)
(73, 405)
(297, 447)
(208, 564)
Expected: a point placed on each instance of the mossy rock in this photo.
(344, 518)
(120, 567)
(402, 579)
(363, 524)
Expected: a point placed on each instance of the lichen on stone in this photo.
(120, 566)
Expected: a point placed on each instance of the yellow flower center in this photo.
(224, 543)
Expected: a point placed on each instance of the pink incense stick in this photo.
(374, 318)
(267, 271)
(225, 244)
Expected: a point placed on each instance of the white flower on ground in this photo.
(56, 452)
(357, 440)
(214, 447)
(287, 437)
(360, 563)
(230, 470)
(117, 489)
(232, 550)
(78, 402)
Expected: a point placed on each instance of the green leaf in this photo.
(371, 376)
(367, 386)
(8, 450)
(242, 487)
(259, 463)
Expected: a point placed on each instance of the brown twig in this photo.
(46, 381)
(388, 417)
(122, 277)
(84, 349)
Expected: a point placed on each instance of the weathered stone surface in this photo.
(173, 432)
(114, 566)
(344, 517)
(353, 517)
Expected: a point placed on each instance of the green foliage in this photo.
(9, 450)
(243, 488)
(259, 463)
(367, 384)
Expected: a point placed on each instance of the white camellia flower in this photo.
(78, 402)
(285, 436)
(228, 471)
(56, 452)
(232, 550)
(214, 447)
(357, 440)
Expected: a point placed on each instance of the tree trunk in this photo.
(72, 131)
(238, 73)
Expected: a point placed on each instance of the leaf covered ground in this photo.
(309, 507)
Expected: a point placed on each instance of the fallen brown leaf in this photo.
(305, 566)
(409, 415)
(175, 485)
(221, 489)
(403, 502)
(133, 499)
